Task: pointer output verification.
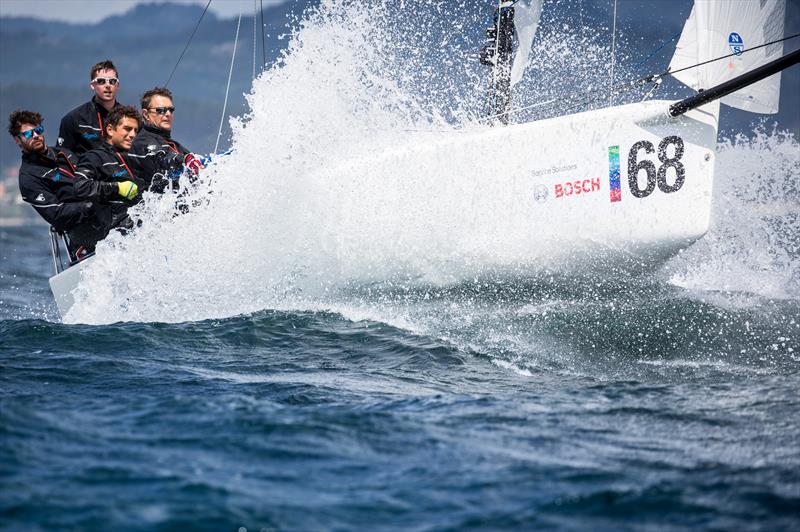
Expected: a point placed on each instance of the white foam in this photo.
(754, 241)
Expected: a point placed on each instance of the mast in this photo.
(498, 53)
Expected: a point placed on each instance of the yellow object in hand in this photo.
(127, 189)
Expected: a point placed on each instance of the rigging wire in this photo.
(227, 88)
(654, 52)
(496, 55)
(672, 72)
(613, 55)
(255, 45)
(263, 41)
(586, 97)
(187, 44)
(580, 15)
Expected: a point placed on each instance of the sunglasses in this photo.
(163, 110)
(29, 134)
(102, 81)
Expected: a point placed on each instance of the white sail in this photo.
(526, 22)
(720, 27)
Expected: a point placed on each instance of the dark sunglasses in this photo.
(102, 81)
(29, 134)
(163, 110)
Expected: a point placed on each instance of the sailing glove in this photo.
(127, 189)
(193, 164)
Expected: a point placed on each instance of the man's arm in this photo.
(155, 166)
(90, 189)
(90, 166)
(91, 182)
(61, 215)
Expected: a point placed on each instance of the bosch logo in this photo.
(577, 187)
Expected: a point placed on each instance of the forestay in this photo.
(723, 27)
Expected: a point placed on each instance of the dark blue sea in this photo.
(617, 407)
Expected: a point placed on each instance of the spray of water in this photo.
(287, 222)
(754, 241)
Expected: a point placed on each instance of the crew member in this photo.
(49, 182)
(83, 128)
(109, 164)
(156, 158)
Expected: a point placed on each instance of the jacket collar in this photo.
(167, 134)
(100, 109)
(112, 149)
(39, 156)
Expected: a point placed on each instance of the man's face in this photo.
(160, 112)
(105, 85)
(36, 140)
(122, 136)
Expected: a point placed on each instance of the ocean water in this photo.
(298, 353)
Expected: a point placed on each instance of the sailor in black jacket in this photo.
(109, 163)
(49, 182)
(157, 159)
(83, 128)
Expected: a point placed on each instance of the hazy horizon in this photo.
(92, 11)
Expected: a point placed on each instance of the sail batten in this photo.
(717, 28)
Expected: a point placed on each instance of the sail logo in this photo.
(736, 43)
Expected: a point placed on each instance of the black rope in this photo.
(263, 41)
(187, 44)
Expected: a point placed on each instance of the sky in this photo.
(90, 11)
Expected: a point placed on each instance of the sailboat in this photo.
(626, 186)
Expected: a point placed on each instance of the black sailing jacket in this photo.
(48, 181)
(83, 128)
(109, 165)
(157, 159)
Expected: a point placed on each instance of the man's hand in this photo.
(193, 164)
(127, 189)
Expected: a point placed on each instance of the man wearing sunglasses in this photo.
(156, 158)
(82, 129)
(49, 181)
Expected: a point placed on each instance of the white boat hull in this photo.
(63, 284)
(624, 187)
(555, 193)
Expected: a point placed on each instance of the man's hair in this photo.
(155, 91)
(123, 111)
(102, 65)
(19, 117)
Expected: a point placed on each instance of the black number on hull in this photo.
(656, 177)
(634, 167)
(671, 162)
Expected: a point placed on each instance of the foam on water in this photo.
(754, 241)
(281, 223)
